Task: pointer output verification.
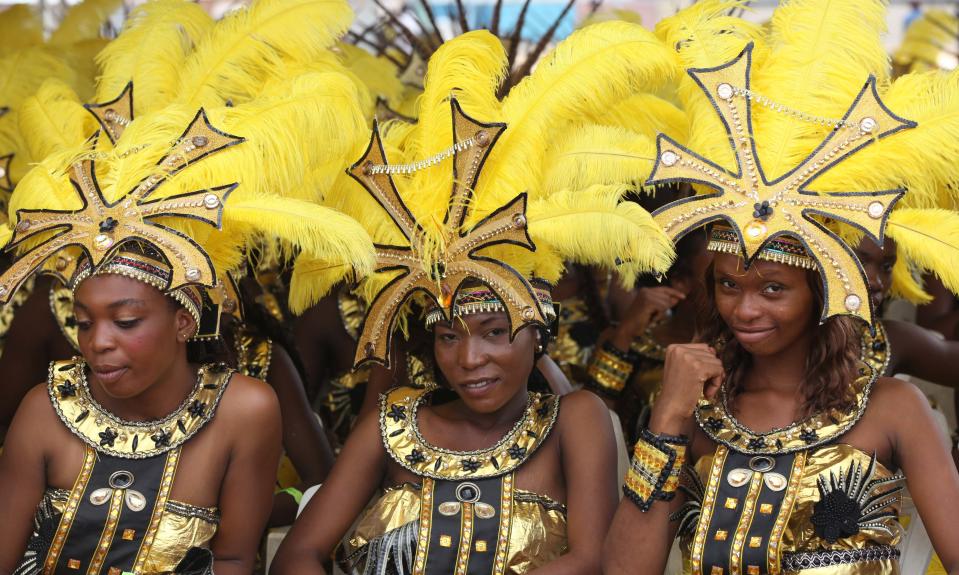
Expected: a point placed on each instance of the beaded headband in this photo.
(780, 249)
(138, 261)
(760, 209)
(481, 299)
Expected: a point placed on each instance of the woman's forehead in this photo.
(759, 269)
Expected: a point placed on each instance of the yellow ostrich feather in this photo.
(53, 120)
(377, 74)
(592, 69)
(22, 72)
(253, 44)
(647, 114)
(815, 65)
(905, 286)
(921, 159)
(83, 21)
(20, 27)
(596, 154)
(930, 43)
(564, 225)
(929, 241)
(150, 52)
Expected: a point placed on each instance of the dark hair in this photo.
(832, 364)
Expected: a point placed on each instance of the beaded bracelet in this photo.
(609, 369)
(654, 472)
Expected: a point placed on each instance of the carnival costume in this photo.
(171, 192)
(463, 221)
(798, 146)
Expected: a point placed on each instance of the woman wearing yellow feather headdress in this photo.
(135, 457)
(480, 474)
(775, 447)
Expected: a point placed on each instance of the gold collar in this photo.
(406, 445)
(721, 426)
(107, 433)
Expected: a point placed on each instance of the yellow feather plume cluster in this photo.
(299, 124)
(930, 43)
(594, 69)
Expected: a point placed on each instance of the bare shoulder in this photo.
(35, 419)
(582, 409)
(891, 395)
(248, 399)
(36, 406)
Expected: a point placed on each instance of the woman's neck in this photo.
(783, 372)
(159, 399)
(503, 418)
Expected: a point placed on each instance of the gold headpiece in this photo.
(100, 226)
(761, 210)
(439, 273)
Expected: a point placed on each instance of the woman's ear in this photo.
(185, 325)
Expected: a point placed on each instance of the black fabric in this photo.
(717, 553)
(88, 525)
(442, 560)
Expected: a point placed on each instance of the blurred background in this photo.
(540, 15)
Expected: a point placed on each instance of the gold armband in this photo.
(609, 370)
(654, 472)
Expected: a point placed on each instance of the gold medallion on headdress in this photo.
(100, 226)
(439, 272)
(760, 209)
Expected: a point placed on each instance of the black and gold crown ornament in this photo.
(439, 270)
(761, 209)
(99, 227)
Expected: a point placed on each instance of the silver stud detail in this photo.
(211, 201)
(200, 141)
(875, 210)
(853, 302)
(193, 274)
(725, 91)
(669, 158)
(867, 125)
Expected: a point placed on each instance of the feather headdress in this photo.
(459, 198)
(198, 185)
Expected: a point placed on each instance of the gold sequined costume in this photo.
(512, 531)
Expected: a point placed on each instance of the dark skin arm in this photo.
(357, 475)
(325, 347)
(23, 474)
(922, 353)
(246, 492)
(33, 341)
(303, 437)
(923, 453)
(640, 542)
(941, 314)
(589, 468)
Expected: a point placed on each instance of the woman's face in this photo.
(129, 333)
(768, 308)
(481, 364)
(878, 263)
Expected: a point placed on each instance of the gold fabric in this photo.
(61, 305)
(181, 527)
(253, 354)
(571, 357)
(537, 536)
(799, 534)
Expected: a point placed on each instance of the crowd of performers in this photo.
(613, 304)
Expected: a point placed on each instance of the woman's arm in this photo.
(354, 480)
(303, 437)
(23, 475)
(639, 542)
(924, 455)
(250, 416)
(588, 451)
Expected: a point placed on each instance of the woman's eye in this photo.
(887, 267)
(126, 323)
(727, 283)
(83, 325)
(773, 288)
(496, 332)
(446, 337)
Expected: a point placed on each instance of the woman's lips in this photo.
(752, 335)
(479, 387)
(109, 374)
